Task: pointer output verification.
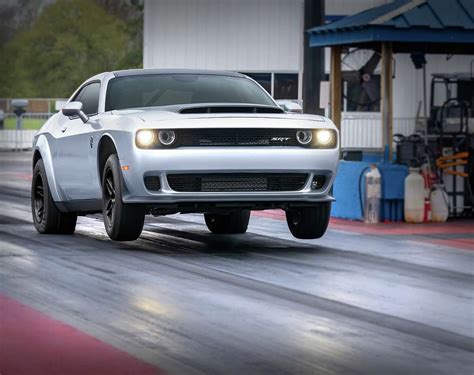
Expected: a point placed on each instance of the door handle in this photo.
(63, 129)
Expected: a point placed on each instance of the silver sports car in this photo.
(137, 142)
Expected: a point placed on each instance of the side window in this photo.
(89, 97)
(77, 98)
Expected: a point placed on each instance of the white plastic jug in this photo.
(439, 204)
(414, 197)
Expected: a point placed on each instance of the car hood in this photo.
(191, 116)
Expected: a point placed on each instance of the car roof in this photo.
(138, 72)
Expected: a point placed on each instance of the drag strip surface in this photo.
(186, 301)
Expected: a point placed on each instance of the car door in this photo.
(74, 143)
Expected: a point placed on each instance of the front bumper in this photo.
(227, 160)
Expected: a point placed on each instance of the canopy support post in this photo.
(336, 85)
(387, 100)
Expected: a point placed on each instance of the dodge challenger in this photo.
(137, 142)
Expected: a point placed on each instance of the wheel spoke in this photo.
(110, 187)
(38, 198)
(109, 207)
(39, 208)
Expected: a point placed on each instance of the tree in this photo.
(70, 41)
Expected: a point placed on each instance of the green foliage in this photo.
(28, 123)
(70, 41)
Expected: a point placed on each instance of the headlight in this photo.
(145, 138)
(324, 137)
(167, 137)
(304, 137)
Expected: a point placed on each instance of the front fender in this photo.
(42, 145)
(123, 142)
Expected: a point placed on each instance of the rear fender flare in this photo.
(42, 145)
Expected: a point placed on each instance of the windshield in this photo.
(171, 89)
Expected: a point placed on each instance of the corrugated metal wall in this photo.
(408, 82)
(243, 35)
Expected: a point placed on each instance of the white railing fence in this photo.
(366, 132)
(14, 139)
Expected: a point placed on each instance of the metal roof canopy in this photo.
(431, 26)
(404, 26)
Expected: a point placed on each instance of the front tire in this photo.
(309, 222)
(232, 223)
(46, 216)
(123, 222)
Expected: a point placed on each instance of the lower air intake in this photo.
(318, 182)
(237, 182)
(152, 183)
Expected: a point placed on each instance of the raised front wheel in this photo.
(231, 223)
(123, 222)
(309, 222)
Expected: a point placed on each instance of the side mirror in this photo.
(290, 106)
(73, 109)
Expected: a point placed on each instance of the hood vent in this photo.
(231, 109)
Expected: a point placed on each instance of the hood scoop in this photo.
(230, 109)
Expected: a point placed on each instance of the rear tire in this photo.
(46, 216)
(232, 223)
(309, 222)
(123, 222)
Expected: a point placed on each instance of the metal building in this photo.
(261, 37)
(264, 39)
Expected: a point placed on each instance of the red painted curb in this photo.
(459, 243)
(398, 229)
(32, 343)
(454, 227)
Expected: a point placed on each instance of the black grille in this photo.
(152, 182)
(318, 182)
(235, 137)
(229, 182)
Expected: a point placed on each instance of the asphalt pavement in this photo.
(186, 301)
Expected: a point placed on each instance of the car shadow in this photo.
(233, 245)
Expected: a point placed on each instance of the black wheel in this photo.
(123, 222)
(309, 222)
(232, 223)
(46, 216)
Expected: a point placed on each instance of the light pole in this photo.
(19, 106)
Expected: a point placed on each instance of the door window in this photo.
(89, 97)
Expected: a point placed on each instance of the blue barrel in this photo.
(349, 187)
(393, 190)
